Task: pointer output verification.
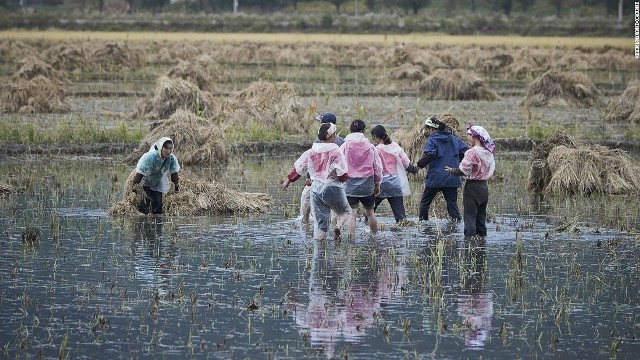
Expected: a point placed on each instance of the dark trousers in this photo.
(475, 197)
(397, 206)
(450, 196)
(153, 199)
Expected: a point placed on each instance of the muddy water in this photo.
(555, 277)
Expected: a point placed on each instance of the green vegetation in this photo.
(81, 131)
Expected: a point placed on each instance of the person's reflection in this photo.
(475, 303)
(344, 298)
(152, 256)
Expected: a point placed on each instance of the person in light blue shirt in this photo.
(153, 171)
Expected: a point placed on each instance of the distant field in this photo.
(418, 39)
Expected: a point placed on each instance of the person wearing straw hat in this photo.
(441, 149)
(327, 166)
(478, 166)
(152, 172)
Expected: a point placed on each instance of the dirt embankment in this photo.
(244, 148)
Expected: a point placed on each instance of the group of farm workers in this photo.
(344, 173)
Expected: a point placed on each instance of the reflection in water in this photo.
(345, 297)
(153, 255)
(475, 304)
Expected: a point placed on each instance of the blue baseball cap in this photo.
(326, 118)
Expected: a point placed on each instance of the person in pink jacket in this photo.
(363, 177)
(478, 166)
(327, 166)
(395, 165)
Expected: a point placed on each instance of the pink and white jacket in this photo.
(394, 162)
(365, 165)
(325, 164)
(478, 163)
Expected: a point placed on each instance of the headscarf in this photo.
(160, 143)
(481, 134)
(331, 130)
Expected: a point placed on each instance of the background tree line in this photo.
(405, 7)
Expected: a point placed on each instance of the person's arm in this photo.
(291, 177)
(412, 169)
(175, 179)
(137, 178)
(453, 171)
(426, 159)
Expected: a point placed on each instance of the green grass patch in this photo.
(257, 132)
(81, 131)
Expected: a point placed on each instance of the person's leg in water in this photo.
(339, 207)
(351, 226)
(369, 203)
(451, 197)
(321, 215)
(153, 198)
(305, 203)
(397, 207)
(425, 202)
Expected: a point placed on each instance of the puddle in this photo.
(259, 286)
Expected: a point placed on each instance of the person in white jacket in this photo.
(395, 165)
(153, 171)
(363, 177)
(326, 165)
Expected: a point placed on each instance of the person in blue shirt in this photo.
(152, 172)
(441, 149)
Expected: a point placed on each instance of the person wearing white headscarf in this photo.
(478, 166)
(152, 171)
(327, 167)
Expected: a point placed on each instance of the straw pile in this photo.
(540, 173)
(627, 107)
(196, 140)
(205, 73)
(409, 72)
(31, 66)
(562, 89)
(412, 141)
(196, 197)
(271, 104)
(172, 95)
(38, 95)
(455, 85)
(569, 168)
(6, 188)
(68, 57)
(116, 57)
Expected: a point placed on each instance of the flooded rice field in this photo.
(554, 277)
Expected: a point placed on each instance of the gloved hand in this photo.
(176, 188)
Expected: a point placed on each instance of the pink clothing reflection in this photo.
(341, 308)
(477, 311)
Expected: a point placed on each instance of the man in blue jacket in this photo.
(441, 149)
